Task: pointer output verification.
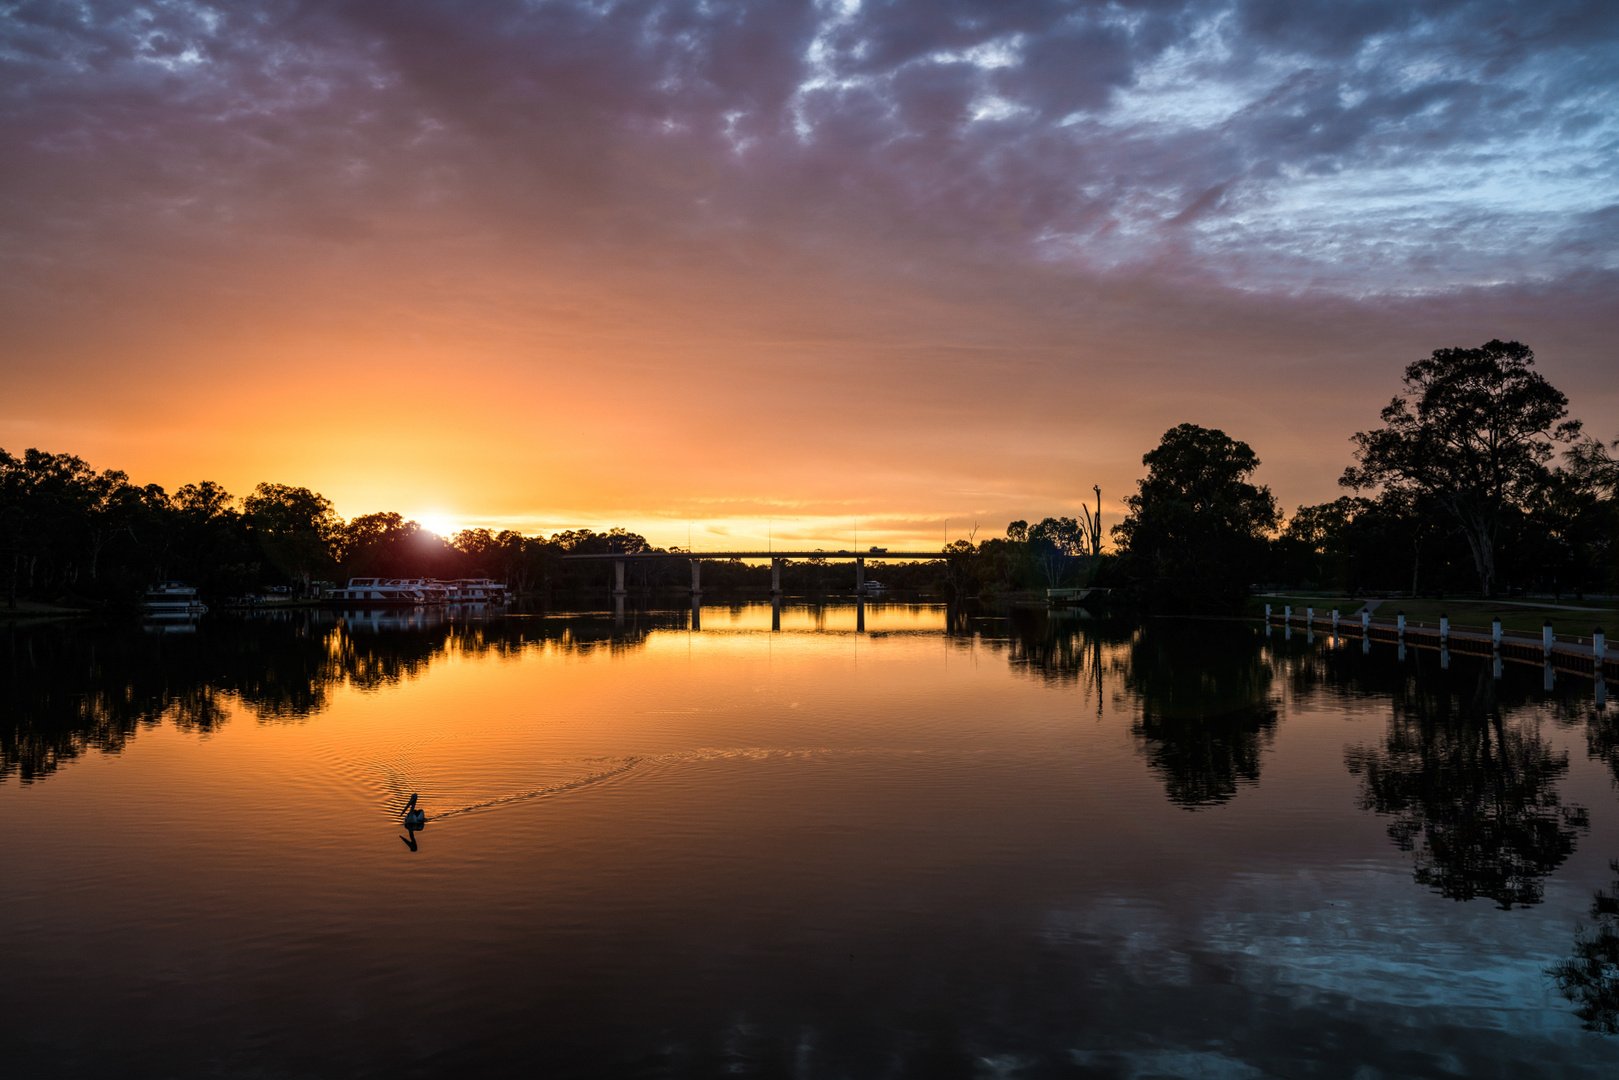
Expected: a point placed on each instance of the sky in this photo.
(782, 271)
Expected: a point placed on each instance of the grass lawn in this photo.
(1464, 614)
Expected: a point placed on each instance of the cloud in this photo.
(1048, 231)
(1080, 132)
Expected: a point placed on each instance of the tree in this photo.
(1196, 529)
(1590, 460)
(1471, 433)
(297, 528)
(1055, 544)
(1090, 525)
(387, 545)
(50, 513)
(1313, 546)
(111, 507)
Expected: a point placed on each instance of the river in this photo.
(981, 843)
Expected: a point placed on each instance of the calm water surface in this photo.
(943, 845)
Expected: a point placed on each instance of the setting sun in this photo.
(436, 521)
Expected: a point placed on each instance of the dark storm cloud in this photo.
(1360, 147)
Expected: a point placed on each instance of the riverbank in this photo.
(1526, 615)
(33, 609)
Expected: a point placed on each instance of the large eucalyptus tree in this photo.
(1471, 434)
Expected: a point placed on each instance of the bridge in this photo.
(777, 560)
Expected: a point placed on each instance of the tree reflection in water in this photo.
(1203, 691)
(1602, 737)
(1472, 794)
(69, 688)
(1207, 709)
(1589, 979)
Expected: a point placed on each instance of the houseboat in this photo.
(172, 598)
(474, 591)
(376, 590)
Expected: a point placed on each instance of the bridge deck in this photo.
(641, 555)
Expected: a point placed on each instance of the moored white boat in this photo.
(172, 598)
(376, 590)
(474, 591)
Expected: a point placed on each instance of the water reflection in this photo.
(1201, 692)
(1589, 978)
(935, 844)
(1207, 706)
(66, 689)
(1471, 787)
(1476, 801)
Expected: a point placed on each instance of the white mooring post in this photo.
(1287, 614)
(1599, 650)
(1267, 613)
(1309, 617)
(1444, 628)
(1400, 620)
(1546, 638)
(1365, 625)
(1495, 631)
(1334, 620)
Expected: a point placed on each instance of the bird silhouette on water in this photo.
(415, 818)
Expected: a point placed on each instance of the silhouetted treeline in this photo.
(1478, 481)
(1460, 490)
(69, 533)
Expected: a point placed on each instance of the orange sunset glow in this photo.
(784, 271)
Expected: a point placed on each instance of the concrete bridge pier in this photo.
(860, 614)
(618, 609)
(775, 612)
(697, 577)
(618, 577)
(696, 610)
(860, 577)
(775, 577)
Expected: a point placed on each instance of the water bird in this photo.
(415, 817)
